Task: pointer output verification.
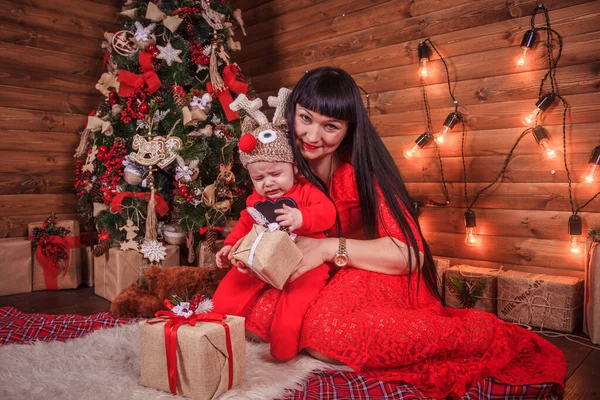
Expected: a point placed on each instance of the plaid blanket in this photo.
(18, 327)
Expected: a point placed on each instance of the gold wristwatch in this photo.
(341, 256)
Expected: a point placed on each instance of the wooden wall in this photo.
(50, 61)
(524, 218)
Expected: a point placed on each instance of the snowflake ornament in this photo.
(169, 54)
(143, 33)
(153, 250)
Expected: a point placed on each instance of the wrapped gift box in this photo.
(16, 270)
(481, 283)
(70, 275)
(117, 269)
(271, 254)
(206, 258)
(441, 266)
(87, 265)
(591, 310)
(202, 358)
(552, 302)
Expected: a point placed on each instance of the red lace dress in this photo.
(364, 320)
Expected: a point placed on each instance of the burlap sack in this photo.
(72, 278)
(591, 310)
(441, 266)
(16, 268)
(117, 269)
(545, 301)
(206, 258)
(272, 256)
(202, 364)
(472, 276)
(87, 265)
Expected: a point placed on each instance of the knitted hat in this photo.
(262, 140)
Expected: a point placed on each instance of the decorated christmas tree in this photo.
(159, 154)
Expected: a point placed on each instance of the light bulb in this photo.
(575, 230)
(423, 69)
(543, 138)
(590, 175)
(423, 140)
(542, 105)
(440, 137)
(424, 53)
(471, 238)
(449, 123)
(550, 153)
(521, 60)
(575, 246)
(530, 118)
(526, 44)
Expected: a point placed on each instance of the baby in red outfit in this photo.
(267, 155)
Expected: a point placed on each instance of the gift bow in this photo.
(205, 229)
(154, 13)
(129, 80)
(231, 84)
(201, 102)
(51, 269)
(116, 205)
(173, 322)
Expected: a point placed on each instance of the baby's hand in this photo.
(223, 257)
(289, 217)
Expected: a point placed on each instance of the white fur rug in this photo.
(106, 365)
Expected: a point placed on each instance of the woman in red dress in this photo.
(380, 313)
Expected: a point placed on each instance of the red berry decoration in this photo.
(247, 143)
(113, 95)
(144, 108)
(182, 191)
(152, 49)
(102, 150)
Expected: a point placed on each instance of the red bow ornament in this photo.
(129, 80)
(116, 204)
(231, 85)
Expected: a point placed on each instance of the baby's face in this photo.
(271, 179)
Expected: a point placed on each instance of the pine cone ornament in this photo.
(96, 193)
(103, 109)
(159, 101)
(211, 240)
(102, 248)
(180, 100)
(187, 28)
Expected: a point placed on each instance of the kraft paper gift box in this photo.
(202, 357)
(469, 279)
(591, 308)
(115, 270)
(70, 275)
(206, 258)
(270, 253)
(441, 266)
(87, 265)
(545, 301)
(16, 268)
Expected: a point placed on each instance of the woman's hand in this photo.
(238, 264)
(314, 253)
(222, 257)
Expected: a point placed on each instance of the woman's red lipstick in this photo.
(309, 146)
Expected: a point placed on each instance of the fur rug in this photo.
(106, 365)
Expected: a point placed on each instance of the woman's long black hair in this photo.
(332, 92)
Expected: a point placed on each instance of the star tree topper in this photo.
(169, 54)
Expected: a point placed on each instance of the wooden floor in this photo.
(583, 363)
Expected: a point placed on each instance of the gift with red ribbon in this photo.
(231, 85)
(129, 80)
(190, 353)
(57, 258)
(116, 204)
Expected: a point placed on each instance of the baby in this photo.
(267, 155)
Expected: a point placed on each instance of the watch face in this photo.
(341, 260)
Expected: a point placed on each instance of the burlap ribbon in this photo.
(231, 85)
(173, 322)
(154, 13)
(116, 205)
(129, 80)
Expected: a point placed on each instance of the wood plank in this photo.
(11, 118)
(466, 41)
(16, 57)
(575, 353)
(270, 10)
(16, 225)
(580, 139)
(583, 384)
(516, 267)
(25, 162)
(85, 9)
(552, 225)
(81, 301)
(49, 101)
(29, 183)
(512, 196)
(521, 168)
(12, 205)
(30, 77)
(583, 109)
(34, 142)
(304, 48)
(513, 250)
(248, 4)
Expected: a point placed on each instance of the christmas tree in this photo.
(160, 152)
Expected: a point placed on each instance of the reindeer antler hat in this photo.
(262, 140)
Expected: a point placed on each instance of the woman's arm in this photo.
(385, 255)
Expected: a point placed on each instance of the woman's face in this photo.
(317, 135)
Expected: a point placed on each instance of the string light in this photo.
(543, 139)
(590, 175)
(542, 105)
(575, 230)
(526, 45)
(471, 238)
(424, 54)
(449, 123)
(423, 140)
